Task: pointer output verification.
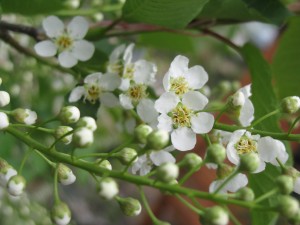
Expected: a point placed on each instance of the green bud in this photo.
(167, 172)
(249, 162)
(62, 131)
(108, 188)
(16, 185)
(215, 153)
(129, 206)
(235, 85)
(192, 160)
(69, 114)
(158, 139)
(88, 122)
(61, 214)
(141, 133)
(224, 171)
(288, 206)
(127, 156)
(245, 194)
(105, 164)
(290, 104)
(285, 184)
(215, 215)
(24, 116)
(65, 175)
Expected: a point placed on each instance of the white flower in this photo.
(247, 109)
(4, 122)
(26, 116)
(145, 162)
(68, 42)
(97, 86)
(108, 188)
(183, 119)
(4, 98)
(236, 183)
(267, 148)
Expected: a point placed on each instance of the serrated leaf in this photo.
(167, 13)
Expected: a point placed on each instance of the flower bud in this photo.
(65, 175)
(6, 172)
(62, 131)
(127, 155)
(285, 184)
(16, 185)
(192, 160)
(224, 171)
(245, 194)
(108, 188)
(158, 139)
(0, 81)
(88, 122)
(237, 100)
(249, 162)
(4, 122)
(24, 116)
(69, 114)
(61, 214)
(4, 98)
(215, 215)
(288, 206)
(83, 137)
(141, 133)
(215, 153)
(224, 87)
(130, 206)
(290, 104)
(105, 164)
(167, 172)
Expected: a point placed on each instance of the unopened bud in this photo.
(60, 133)
(26, 116)
(4, 98)
(69, 114)
(105, 164)
(285, 184)
(224, 171)
(238, 99)
(130, 206)
(249, 162)
(16, 185)
(65, 175)
(88, 122)
(192, 160)
(108, 188)
(141, 133)
(215, 215)
(127, 156)
(83, 137)
(158, 139)
(61, 214)
(288, 206)
(167, 172)
(4, 121)
(245, 194)
(6, 172)
(215, 153)
(290, 104)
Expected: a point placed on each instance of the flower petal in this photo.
(109, 82)
(239, 181)
(66, 59)
(78, 27)
(246, 90)
(166, 81)
(165, 123)
(109, 99)
(127, 57)
(160, 157)
(247, 113)
(144, 72)
(125, 84)
(197, 77)
(166, 102)
(179, 66)
(125, 101)
(202, 122)
(183, 139)
(194, 100)
(83, 50)
(116, 53)
(53, 26)
(269, 148)
(282, 156)
(231, 152)
(45, 48)
(93, 78)
(261, 166)
(76, 94)
(146, 111)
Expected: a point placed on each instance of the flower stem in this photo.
(45, 130)
(24, 160)
(293, 125)
(231, 176)
(52, 164)
(189, 174)
(189, 205)
(55, 185)
(263, 118)
(266, 195)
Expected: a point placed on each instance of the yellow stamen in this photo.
(181, 116)
(179, 85)
(245, 145)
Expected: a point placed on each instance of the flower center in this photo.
(137, 92)
(245, 145)
(179, 85)
(129, 70)
(181, 116)
(64, 42)
(92, 92)
(116, 67)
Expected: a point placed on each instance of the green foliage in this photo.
(167, 13)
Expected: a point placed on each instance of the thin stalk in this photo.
(189, 205)
(52, 164)
(293, 125)
(189, 174)
(55, 185)
(266, 195)
(24, 160)
(263, 118)
(231, 176)
(45, 130)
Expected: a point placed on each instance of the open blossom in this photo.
(97, 86)
(267, 148)
(236, 183)
(67, 42)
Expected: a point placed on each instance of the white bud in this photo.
(6, 172)
(4, 122)
(290, 104)
(65, 175)
(215, 216)
(238, 99)
(0, 81)
(16, 185)
(83, 137)
(158, 139)
(87, 122)
(105, 164)
(4, 98)
(130, 206)
(61, 214)
(26, 116)
(108, 188)
(98, 17)
(168, 172)
(62, 131)
(69, 114)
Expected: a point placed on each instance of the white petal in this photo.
(214, 186)
(247, 113)
(53, 26)
(282, 156)
(202, 122)
(166, 81)
(146, 111)
(66, 59)
(166, 102)
(165, 122)
(297, 185)
(179, 66)
(144, 72)
(125, 84)
(261, 166)
(246, 90)
(116, 53)
(231, 152)
(127, 57)
(78, 27)
(160, 157)
(194, 100)
(125, 101)
(83, 50)
(109, 82)
(93, 78)
(183, 139)
(76, 94)
(239, 181)
(197, 77)
(45, 48)
(109, 99)
(269, 148)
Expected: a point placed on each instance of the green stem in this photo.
(231, 176)
(55, 185)
(24, 160)
(52, 164)
(189, 174)
(232, 217)
(263, 118)
(45, 130)
(293, 125)
(266, 195)
(92, 155)
(189, 205)
(223, 110)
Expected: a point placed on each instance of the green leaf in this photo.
(264, 101)
(285, 65)
(167, 13)
(30, 7)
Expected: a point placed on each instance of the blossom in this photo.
(237, 182)
(267, 148)
(67, 42)
(97, 86)
(182, 117)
